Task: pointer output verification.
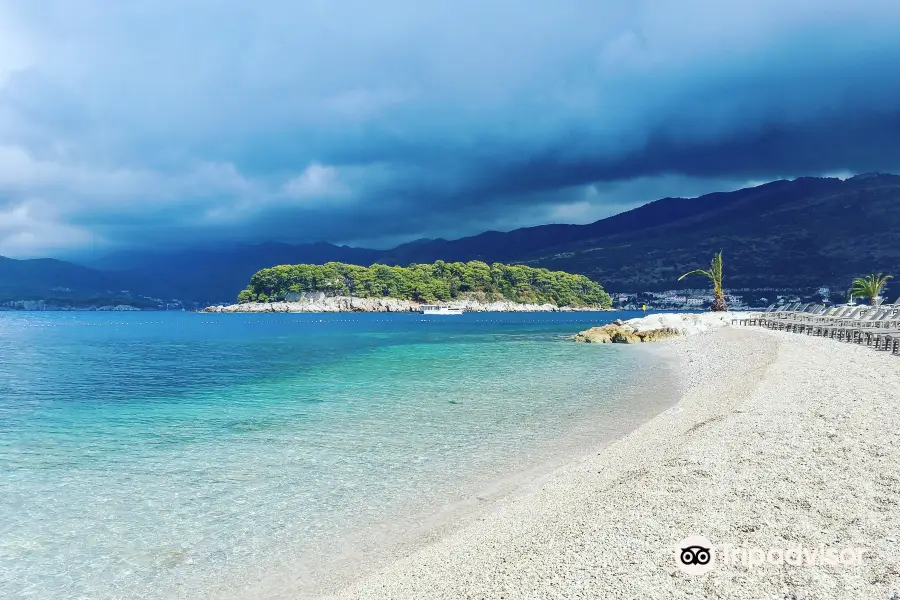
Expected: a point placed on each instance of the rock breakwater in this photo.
(654, 328)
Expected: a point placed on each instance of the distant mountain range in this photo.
(788, 234)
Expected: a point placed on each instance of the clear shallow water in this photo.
(177, 455)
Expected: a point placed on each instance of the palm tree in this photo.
(869, 286)
(715, 274)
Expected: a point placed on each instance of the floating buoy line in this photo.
(263, 321)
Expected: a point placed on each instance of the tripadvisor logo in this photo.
(695, 555)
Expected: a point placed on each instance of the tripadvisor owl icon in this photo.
(695, 555)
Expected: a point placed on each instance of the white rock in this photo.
(687, 323)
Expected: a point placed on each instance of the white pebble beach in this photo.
(778, 441)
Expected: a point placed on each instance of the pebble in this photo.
(743, 394)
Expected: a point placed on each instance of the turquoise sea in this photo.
(179, 455)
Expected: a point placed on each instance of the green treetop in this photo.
(440, 281)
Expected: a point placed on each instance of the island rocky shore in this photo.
(348, 304)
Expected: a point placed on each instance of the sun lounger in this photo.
(779, 314)
(786, 319)
(853, 316)
(844, 317)
(814, 312)
(878, 318)
(755, 317)
(892, 342)
(879, 338)
(835, 312)
(877, 327)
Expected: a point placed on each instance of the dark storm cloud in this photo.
(173, 123)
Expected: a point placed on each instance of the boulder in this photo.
(656, 335)
(595, 335)
(622, 333)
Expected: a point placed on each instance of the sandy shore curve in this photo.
(778, 442)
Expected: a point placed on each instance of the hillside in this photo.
(41, 278)
(213, 275)
(527, 241)
(61, 283)
(792, 234)
(789, 234)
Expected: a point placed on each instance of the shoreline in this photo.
(375, 547)
(344, 304)
(787, 440)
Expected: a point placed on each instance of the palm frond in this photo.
(869, 286)
(696, 272)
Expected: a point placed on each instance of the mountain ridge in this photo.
(796, 233)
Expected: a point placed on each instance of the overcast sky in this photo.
(170, 122)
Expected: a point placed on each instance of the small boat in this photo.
(440, 309)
